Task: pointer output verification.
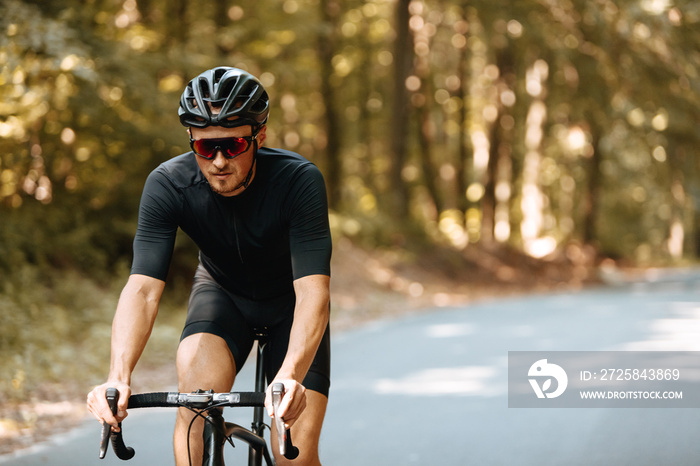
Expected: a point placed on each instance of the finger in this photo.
(88, 402)
(124, 394)
(96, 404)
(105, 413)
(295, 411)
(295, 406)
(94, 413)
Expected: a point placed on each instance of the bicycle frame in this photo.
(217, 431)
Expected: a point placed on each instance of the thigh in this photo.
(212, 310)
(318, 377)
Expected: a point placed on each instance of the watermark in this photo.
(604, 379)
(546, 373)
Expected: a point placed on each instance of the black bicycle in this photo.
(217, 432)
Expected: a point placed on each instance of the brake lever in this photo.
(284, 436)
(277, 394)
(112, 396)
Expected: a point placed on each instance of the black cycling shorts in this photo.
(214, 310)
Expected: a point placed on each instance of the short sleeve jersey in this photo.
(254, 244)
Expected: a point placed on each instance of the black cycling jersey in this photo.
(254, 244)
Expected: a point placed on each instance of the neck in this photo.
(249, 177)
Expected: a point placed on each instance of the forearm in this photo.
(311, 316)
(132, 325)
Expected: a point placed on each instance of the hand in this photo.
(97, 403)
(293, 402)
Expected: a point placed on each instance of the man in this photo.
(260, 219)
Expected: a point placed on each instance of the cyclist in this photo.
(260, 219)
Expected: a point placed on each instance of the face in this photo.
(225, 175)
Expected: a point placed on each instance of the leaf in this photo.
(546, 385)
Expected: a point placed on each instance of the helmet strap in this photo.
(244, 184)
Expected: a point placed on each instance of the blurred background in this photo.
(470, 148)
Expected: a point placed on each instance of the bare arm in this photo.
(310, 320)
(131, 328)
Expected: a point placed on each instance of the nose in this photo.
(219, 160)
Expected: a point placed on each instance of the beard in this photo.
(230, 185)
(225, 187)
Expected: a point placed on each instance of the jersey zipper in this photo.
(238, 243)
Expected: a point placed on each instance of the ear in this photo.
(262, 135)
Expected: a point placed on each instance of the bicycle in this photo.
(206, 404)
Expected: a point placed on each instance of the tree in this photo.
(399, 114)
(330, 11)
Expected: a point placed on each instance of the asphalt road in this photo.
(431, 389)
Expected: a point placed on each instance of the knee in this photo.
(186, 416)
(204, 361)
(186, 424)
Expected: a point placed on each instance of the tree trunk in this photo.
(399, 120)
(465, 148)
(426, 138)
(330, 10)
(590, 204)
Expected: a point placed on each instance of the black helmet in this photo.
(239, 97)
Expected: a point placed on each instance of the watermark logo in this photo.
(544, 372)
(603, 379)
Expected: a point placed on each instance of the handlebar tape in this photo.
(149, 400)
(291, 452)
(120, 449)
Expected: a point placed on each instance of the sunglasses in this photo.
(230, 147)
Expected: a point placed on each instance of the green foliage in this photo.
(56, 333)
(49, 324)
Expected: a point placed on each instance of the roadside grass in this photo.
(55, 337)
(50, 348)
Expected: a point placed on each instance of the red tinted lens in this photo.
(230, 147)
(235, 146)
(203, 148)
